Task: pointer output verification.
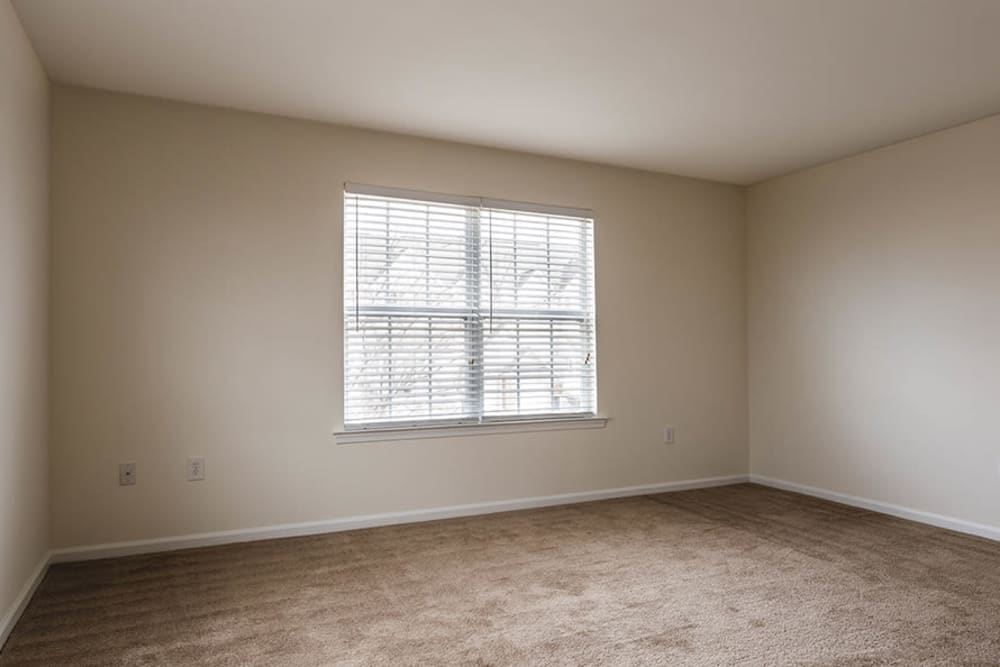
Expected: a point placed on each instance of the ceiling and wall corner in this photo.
(725, 90)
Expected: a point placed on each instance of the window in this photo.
(462, 310)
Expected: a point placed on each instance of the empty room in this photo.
(499, 332)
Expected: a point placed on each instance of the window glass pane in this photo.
(536, 262)
(407, 368)
(409, 254)
(537, 366)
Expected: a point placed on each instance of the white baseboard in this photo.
(938, 520)
(92, 552)
(11, 617)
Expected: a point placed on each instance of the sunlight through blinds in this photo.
(464, 310)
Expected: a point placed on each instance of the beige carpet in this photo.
(740, 575)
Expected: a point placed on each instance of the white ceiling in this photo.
(731, 90)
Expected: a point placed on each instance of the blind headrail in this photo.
(460, 200)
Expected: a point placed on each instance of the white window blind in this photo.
(465, 310)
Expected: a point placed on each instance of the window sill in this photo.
(418, 432)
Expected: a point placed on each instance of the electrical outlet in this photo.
(126, 473)
(668, 435)
(196, 468)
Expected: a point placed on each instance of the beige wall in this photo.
(197, 311)
(874, 332)
(24, 110)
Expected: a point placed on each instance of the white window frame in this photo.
(481, 424)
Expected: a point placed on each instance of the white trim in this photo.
(92, 552)
(938, 520)
(453, 430)
(467, 200)
(412, 195)
(543, 209)
(13, 615)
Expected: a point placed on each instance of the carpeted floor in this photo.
(741, 575)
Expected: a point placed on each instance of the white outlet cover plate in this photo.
(195, 468)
